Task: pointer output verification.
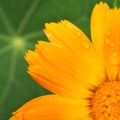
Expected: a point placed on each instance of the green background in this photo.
(21, 24)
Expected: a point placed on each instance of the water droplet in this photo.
(108, 32)
(112, 44)
(115, 58)
(85, 45)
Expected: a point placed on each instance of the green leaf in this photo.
(21, 24)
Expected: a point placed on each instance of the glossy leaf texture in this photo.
(21, 24)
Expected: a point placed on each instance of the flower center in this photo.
(105, 102)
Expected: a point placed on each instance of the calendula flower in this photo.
(83, 75)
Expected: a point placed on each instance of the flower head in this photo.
(84, 76)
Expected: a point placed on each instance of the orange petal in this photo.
(69, 64)
(58, 74)
(53, 107)
(112, 44)
(66, 34)
(105, 31)
(98, 25)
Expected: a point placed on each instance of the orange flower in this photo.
(84, 76)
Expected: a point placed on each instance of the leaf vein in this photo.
(27, 16)
(32, 35)
(6, 21)
(11, 76)
(5, 49)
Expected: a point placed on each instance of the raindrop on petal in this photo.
(109, 32)
(85, 45)
(114, 58)
(112, 44)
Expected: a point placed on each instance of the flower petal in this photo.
(57, 69)
(68, 35)
(58, 74)
(98, 24)
(53, 107)
(69, 64)
(112, 44)
(105, 24)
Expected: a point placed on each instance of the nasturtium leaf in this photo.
(21, 24)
